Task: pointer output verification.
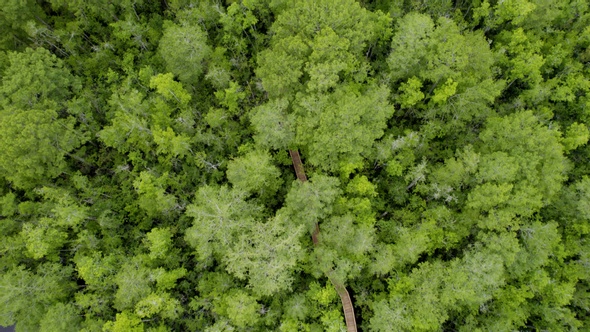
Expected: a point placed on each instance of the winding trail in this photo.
(315, 237)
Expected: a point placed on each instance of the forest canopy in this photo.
(147, 154)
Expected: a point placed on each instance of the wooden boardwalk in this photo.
(298, 165)
(346, 305)
(315, 237)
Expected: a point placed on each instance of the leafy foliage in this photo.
(147, 184)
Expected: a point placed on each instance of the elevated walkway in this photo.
(315, 237)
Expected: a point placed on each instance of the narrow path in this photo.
(315, 237)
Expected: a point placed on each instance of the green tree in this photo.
(308, 203)
(153, 198)
(184, 49)
(36, 78)
(35, 145)
(133, 282)
(267, 254)
(316, 71)
(159, 242)
(540, 173)
(220, 214)
(36, 136)
(14, 18)
(275, 126)
(125, 321)
(240, 307)
(130, 129)
(255, 173)
(26, 295)
(449, 69)
(336, 129)
(158, 304)
(61, 317)
(302, 45)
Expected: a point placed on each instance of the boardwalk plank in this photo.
(340, 289)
